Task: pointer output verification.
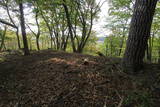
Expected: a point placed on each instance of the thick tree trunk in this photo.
(26, 50)
(138, 35)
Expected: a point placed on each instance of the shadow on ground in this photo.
(58, 79)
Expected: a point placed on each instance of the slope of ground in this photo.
(57, 79)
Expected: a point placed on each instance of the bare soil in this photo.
(58, 79)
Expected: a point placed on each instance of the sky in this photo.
(101, 22)
(98, 24)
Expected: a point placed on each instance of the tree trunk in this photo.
(18, 40)
(37, 43)
(65, 43)
(51, 39)
(138, 35)
(26, 50)
(79, 49)
(69, 25)
(3, 38)
(122, 42)
(30, 43)
(39, 31)
(111, 46)
(11, 19)
(159, 54)
(121, 46)
(149, 50)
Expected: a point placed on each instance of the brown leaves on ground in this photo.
(58, 79)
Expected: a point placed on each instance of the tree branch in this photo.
(7, 23)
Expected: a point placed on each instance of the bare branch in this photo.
(7, 23)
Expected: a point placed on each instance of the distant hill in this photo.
(101, 39)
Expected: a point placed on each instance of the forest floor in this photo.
(58, 79)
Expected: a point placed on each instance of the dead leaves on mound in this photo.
(58, 79)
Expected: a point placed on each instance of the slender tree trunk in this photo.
(26, 50)
(121, 46)
(49, 28)
(138, 35)
(18, 39)
(37, 43)
(11, 19)
(30, 43)
(111, 46)
(4, 46)
(51, 39)
(65, 43)
(3, 38)
(89, 31)
(149, 53)
(122, 41)
(39, 31)
(62, 40)
(107, 53)
(159, 55)
(69, 25)
(48, 42)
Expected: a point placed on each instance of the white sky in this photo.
(101, 22)
(98, 25)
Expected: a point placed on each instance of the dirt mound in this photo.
(59, 79)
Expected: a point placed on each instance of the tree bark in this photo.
(65, 43)
(39, 32)
(18, 39)
(69, 25)
(23, 29)
(37, 35)
(7, 23)
(138, 35)
(48, 26)
(122, 41)
(11, 19)
(149, 50)
(37, 43)
(12, 25)
(3, 38)
(159, 55)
